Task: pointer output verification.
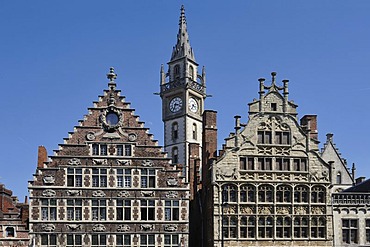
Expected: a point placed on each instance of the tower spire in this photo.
(182, 47)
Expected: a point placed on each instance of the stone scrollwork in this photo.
(282, 210)
(172, 194)
(74, 162)
(98, 193)
(123, 228)
(124, 162)
(48, 227)
(49, 179)
(265, 210)
(170, 228)
(100, 161)
(49, 193)
(226, 173)
(172, 182)
(74, 227)
(123, 194)
(146, 227)
(99, 228)
(147, 193)
(147, 163)
(74, 192)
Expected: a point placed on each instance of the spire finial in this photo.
(273, 74)
(111, 75)
(182, 47)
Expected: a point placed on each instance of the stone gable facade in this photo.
(109, 184)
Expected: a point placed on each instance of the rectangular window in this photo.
(49, 240)
(367, 222)
(264, 137)
(74, 240)
(99, 177)
(147, 209)
(247, 227)
(95, 149)
(123, 208)
(99, 240)
(246, 163)
(48, 209)
(123, 240)
(265, 226)
(147, 240)
(282, 137)
(99, 209)
(229, 226)
(300, 227)
(171, 211)
(171, 240)
(148, 178)
(124, 178)
(350, 231)
(282, 164)
(74, 209)
(300, 164)
(119, 150)
(74, 177)
(265, 164)
(128, 150)
(103, 149)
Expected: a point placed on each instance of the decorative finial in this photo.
(273, 74)
(111, 75)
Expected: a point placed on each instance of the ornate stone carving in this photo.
(74, 162)
(282, 151)
(132, 137)
(49, 193)
(98, 193)
(98, 228)
(172, 194)
(123, 194)
(147, 193)
(147, 163)
(265, 210)
(170, 228)
(226, 173)
(100, 161)
(73, 227)
(49, 179)
(123, 228)
(124, 162)
(48, 227)
(283, 177)
(230, 209)
(265, 176)
(172, 181)
(317, 210)
(146, 227)
(74, 192)
(300, 210)
(265, 150)
(90, 136)
(282, 210)
(246, 210)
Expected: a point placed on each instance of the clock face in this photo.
(193, 105)
(175, 104)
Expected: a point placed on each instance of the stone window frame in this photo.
(318, 194)
(283, 227)
(99, 240)
(175, 131)
(49, 240)
(98, 209)
(191, 72)
(74, 209)
(265, 193)
(118, 149)
(171, 210)
(247, 226)
(99, 177)
(171, 240)
(195, 131)
(367, 231)
(282, 164)
(248, 192)
(264, 163)
(299, 164)
(147, 240)
(123, 240)
(318, 227)
(123, 209)
(230, 226)
(301, 194)
(74, 177)
(74, 240)
(283, 193)
(300, 227)
(175, 155)
(148, 178)
(265, 227)
(339, 178)
(48, 209)
(147, 210)
(124, 177)
(10, 232)
(229, 193)
(350, 230)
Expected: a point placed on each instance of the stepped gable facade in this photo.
(13, 219)
(109, 184)
(271, 186)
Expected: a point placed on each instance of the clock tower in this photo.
(183, 91)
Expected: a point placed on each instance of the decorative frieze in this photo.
(100, 161)
(48, 227)
(123, 194)
(99, 228)
(98, 193)
(170, 228)
(49, 179)
(124, 162)
(49, 193)
(123, 228)
(172, 194)
(147, 193)
(74, 192)
(74, 162)
(73, 227)
(147, 163)
(147, 227)
(172, 181)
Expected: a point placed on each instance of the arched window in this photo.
(9, 231)
(265, 193)
(177, 71)
(283, 194)
(175, 130)
(191, 72)
(175, 155)
(229, 193)
(339, 178)
(247, 193)
(194, 131)
(301, 194)
(318, 194)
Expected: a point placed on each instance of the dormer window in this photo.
(273, 107)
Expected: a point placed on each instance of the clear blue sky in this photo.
(54, 56)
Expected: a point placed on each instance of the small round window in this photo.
(112, 118)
